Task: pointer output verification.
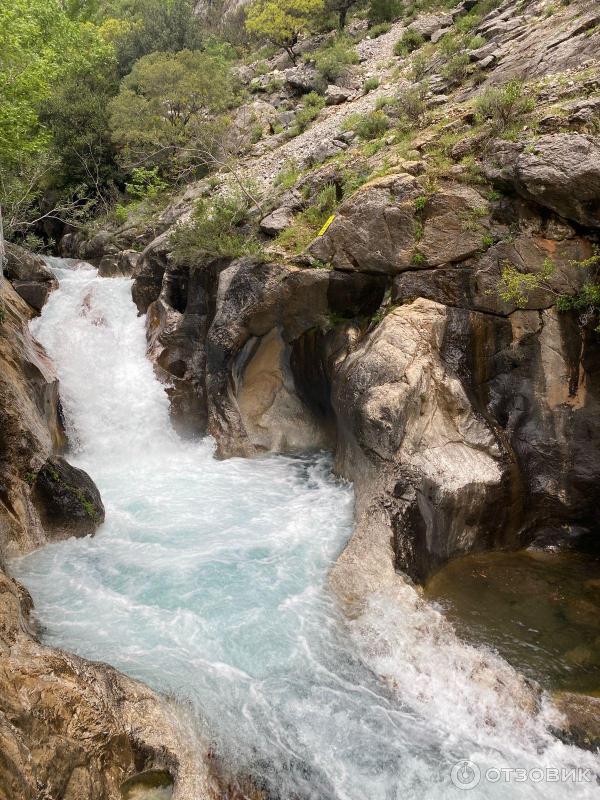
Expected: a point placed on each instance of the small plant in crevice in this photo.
(504, 106)
(312, 105)
(516, 287)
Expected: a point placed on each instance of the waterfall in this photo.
(208, 582)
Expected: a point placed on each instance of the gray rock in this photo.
(559, 171)
(303, 79)
(428, 24)
(277, 221)
(334, 95)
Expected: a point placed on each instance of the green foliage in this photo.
(411, 40)
(378, 30)
(503, 106)
(419, 67)
(139, 27)
(384, 11)
(411, 103)
(39, 44)
(145, 183)
(288, 176)
(516, 287)
(282, 21)
(370, 84)
(367, 126)
(163, 104)
(456, 68)
(214, 231)
(312, 105)
(307, 224)
(332, 60)
(420, 202)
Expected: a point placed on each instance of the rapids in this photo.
(208, 582)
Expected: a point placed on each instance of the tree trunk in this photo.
(342, 20)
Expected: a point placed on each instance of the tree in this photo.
(169, 104)
(39, 46)
(282, 21)
(384, 11)
(140, 27)
(341, 8)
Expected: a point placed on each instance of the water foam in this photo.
(207, 582)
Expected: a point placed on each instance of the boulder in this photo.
(29, 275)
(303, 79)
(562, 172)
(118, 265)
(380, 228)
(67, 500)
(429, 24)
(559, 171)
(334, 95)
(277, 221)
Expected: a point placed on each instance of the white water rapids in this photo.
(208, 582)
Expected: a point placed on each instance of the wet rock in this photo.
(67, 499)
(581, 725)
(149, 271)
(118, 265)
(30, 423)
(417, 449)
(29, 275)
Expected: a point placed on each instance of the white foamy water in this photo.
(207, 581)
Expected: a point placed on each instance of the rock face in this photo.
(559, 171)
(29, 275)
(69, 729)
(465, 422)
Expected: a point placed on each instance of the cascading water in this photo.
(207, 581)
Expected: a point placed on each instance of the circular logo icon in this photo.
(465, 774)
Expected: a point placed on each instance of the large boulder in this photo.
(390, 226)
(29, 275)
(67, 499)
(559, 171)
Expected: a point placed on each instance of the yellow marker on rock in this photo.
(327, 224)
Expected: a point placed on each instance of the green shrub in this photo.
(384, 11)
(288, 176)
(214, 231)
(367, 126)
(308, 223)
(419, 67)
(333, 60)
(411, 40)
(145, 183)
(412, 103)
(504, 105)
(313, 103)
(379, 30)
(476, 42)
(370, 84)
(456, 68)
